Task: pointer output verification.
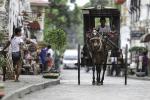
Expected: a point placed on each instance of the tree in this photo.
(99, 2)
(57, 38)
(59, 16)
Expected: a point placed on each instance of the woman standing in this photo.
(16, 45)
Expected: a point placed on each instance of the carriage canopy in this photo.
(91, 14)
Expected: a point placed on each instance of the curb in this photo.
(29, 89)
(139, 78)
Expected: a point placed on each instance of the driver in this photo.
(103, 28)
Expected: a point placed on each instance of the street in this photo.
(113, 89)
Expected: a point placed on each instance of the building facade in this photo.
(19, 13)
(38, 14)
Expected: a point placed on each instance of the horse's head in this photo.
(96, 43)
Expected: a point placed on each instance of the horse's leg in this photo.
(98, 73)
(93, 74)
(104, 69)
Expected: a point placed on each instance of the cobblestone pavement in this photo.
(113, 89)
(25, 80)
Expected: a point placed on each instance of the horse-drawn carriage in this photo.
(101, 39)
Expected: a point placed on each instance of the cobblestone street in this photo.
(75, 50)
(113, 89)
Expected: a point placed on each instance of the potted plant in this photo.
(136, 51)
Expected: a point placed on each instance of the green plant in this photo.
(57, 38)
(138, 49)
(1, 37)
(3, 61)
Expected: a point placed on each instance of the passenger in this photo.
(113, 36)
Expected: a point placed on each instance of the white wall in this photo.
(39, 33)
(15, 9)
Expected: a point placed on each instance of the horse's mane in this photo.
(97, 38)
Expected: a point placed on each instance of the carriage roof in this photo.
(90, 13)
(104, 12)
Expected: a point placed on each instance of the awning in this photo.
(39, 2)
(145, 38)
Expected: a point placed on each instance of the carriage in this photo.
(89, 18)
(96, 48)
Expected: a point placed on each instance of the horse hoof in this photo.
(101, 83)
(93, 83)
(98, 83)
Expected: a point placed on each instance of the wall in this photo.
(4, 17)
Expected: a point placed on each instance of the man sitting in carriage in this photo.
(103, 28)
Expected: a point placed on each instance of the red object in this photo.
(2, 94)
(119, 1)
(49, 62)
(34, 25)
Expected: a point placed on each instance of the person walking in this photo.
(114, 66)
(42, 57)
(145, 63)
(49, 61)
(140, 62)
(16, 43)
(50, 51)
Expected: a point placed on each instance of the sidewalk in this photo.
(27, 84)
(139, 78)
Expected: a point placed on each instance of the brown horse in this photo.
(98, 52)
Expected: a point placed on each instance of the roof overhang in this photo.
(101, 12)
(145, 38)
(43, 3)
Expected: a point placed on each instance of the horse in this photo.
(98, 52)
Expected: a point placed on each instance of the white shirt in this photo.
(114, 59)
(51, 52)
(15, 44)
(105, 29)
(33, 41)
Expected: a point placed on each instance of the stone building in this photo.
(140, 22)
(4, 17)
(10, 18)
